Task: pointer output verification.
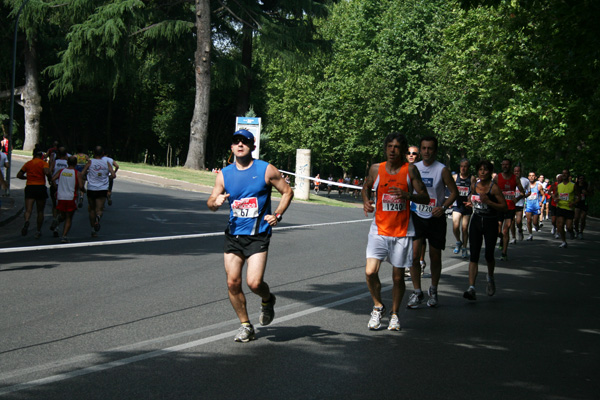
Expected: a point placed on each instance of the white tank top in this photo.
(432, 178)
(67, 185)
(97, 175)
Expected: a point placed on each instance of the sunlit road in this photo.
(123, 316)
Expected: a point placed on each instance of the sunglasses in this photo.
(414, 153)
(242, 139)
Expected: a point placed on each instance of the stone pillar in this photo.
(302, 187)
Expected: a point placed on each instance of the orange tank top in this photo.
(392, 215)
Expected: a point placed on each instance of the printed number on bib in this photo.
(509, 195)
(245, 208)
(391, 202)
(533, 196)
(463, 191)
(427, 208)
(477, 204)
(564, 196)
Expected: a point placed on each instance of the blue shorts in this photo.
(532, 210)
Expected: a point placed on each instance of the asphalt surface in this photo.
(127, 315)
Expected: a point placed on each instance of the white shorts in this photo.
(397, 251)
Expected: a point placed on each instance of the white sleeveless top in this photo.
(432, 179)
(97, 175)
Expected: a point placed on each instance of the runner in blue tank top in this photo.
(247, 185)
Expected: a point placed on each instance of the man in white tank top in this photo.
(97, 172)
(430, 220)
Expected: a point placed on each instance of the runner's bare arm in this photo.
(500, 203)
(367, 189)
(422, 197)
(218, 196)
(273, 176)
(451, 185)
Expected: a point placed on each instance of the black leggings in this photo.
(481, 229)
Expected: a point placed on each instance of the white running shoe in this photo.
(375, 321)
(556, 236)
(563, 245)
(513, 241)
(394, 323)
(433, 298)
(415, 299)
(530, 237)
(553, 231)
(465, 252)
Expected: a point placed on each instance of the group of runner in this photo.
(66, 175)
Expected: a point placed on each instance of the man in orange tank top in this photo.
(391, 232)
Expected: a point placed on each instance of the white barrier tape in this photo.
(322, 180)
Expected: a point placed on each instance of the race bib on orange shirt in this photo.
(390, 202)
(245, 208)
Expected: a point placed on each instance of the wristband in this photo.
(279, 217)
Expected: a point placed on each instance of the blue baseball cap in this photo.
(245, 133)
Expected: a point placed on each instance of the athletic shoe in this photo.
(500, 246)
(245, 334)
(530, 237)
(581, 235)
(375, 321)
(553, 231)
(504, 257)
(267, 311)
(556, 236)
(64, 239)
(94, 234)
(521, 237)
(80, 203)
(433, 298)
(415, 299)
(541, 226)
(491, 286)
(513, 241)
(457, 247)
(394, 323)
(465, 252)
(470, 294)
(54, 224)
(25, 228)
(97, 223)
(535, 229)
(563, 245)
(38, 235)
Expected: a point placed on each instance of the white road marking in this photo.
(157, 239)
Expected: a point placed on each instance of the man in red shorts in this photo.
(69, 182)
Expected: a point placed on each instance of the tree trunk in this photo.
(31, 99)
(196, 157)
(243, 102)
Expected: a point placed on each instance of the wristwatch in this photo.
(279, 217)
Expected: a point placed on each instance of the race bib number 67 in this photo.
(245, 208)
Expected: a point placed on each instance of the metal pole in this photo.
(12, 99)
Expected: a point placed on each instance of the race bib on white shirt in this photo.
(463, 191)
(563, 196)
(427, 208)
(509, 195)
(477, 204)
(390, 202)
(245, 208)
(533, 196)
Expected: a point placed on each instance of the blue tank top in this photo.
(533, 200)
(249, 200)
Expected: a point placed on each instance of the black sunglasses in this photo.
(242, 139)
(412, 154)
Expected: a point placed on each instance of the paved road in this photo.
(132, 318)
